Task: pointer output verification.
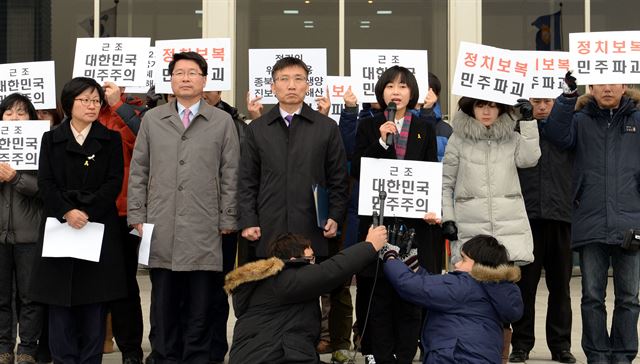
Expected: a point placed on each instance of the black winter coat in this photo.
(546, 188)
(280, 165)
(606, 173)
(276, 305)
(68, 180)
(421, 146)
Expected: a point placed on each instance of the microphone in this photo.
(382, 195)
(391, 116)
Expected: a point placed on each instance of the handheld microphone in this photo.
(391, 116)
(412, 235)
(374, 217)
(382, 195)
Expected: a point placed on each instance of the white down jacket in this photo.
(480, 186)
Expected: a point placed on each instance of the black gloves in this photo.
(526, 110)
(570, 87)
(450, 230)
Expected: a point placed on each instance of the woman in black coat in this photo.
(393, 324)
(80, 176)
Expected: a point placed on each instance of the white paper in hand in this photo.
(145, 243)
(63, 241)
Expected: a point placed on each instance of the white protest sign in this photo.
(337, 86)
(119, 60)
(151, 64)
(492, 74)
(605, 57)
(20, 142)
(548, 69)
(368, 64)
(36, 80)
(413, 187)
(261, 62)
(216, 51)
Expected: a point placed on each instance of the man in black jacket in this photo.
(285, 153)
(603, 129)
(547, 193)
(276, 300)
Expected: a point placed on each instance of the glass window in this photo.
(622, 16)
(401, 24)
(283, 24)
(523, 24)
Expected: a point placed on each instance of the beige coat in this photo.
(185, 182)
(480, 185)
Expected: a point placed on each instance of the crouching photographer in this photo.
(276, 299)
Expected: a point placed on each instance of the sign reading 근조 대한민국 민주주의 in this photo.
(549, 69)
(20, 142)
(367, 65)
(151, 64)
(337, 86)
(413, 188)
(122, 61)
(36, 80)
(261, 62)
(216, 51)
(605, 57)
(492, 74)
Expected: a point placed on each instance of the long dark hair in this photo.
(18, 99)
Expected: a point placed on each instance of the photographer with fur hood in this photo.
(276, 299)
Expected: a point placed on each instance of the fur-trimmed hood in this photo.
(470, 128)
(252, 272)
(499, 285)
(586, 99)
(483, 273)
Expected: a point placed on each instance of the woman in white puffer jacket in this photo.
(480, 186)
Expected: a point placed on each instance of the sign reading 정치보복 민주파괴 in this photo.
(20, 142)
(122, 61)
(492, 74)
(413, 188)
(367, 65)
(605, 57)
(36, 80)
(261, 62)
(549, 69)
(338, 86)
(216, 51)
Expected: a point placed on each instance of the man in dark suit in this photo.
(286, 151)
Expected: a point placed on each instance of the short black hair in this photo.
(486, 250)
(434, 84)
(289, 245)
(466, 104)
(286, 62)
(405, 76)
(18, 99)
(74, 88)
(190, 56)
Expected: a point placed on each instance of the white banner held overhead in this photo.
(216, 51)
(368, 64)
(548, 69)
(119, 60)
(261, 62)
(151, 64)
(20, 142)
(36, 80)
(492, 74)
(605, 57)
(413, 187)
(337, 86)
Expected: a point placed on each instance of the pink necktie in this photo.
(185, 118)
